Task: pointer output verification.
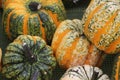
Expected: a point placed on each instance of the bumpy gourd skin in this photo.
(28, 58)
(72, 48)
(20, 17)
(101, 25)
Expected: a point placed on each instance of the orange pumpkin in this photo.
(101, 23)
(71, 47)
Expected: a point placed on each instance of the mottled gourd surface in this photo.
(33, 17)
(71, 47)
(102, 24)
(28, 58)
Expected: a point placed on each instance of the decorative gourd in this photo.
(33, 17)
(72, 48)
(116, 68)
(85, 72)
(28, 58)
(101, 23)
(0, 59)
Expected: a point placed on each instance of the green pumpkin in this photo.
(28, 58)
(32, 17)
(116, 68)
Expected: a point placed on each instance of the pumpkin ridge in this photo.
(103, 30)
(69, 50)
(8, 23)
(60, 37)
(90, 17)
(25, 25)
(14, 68)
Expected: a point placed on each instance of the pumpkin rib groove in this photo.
(8, 23)
(46, 19)
(44, 71)
(85, 72)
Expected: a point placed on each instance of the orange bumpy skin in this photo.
(71, 48)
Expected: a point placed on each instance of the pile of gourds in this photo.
(41, 37)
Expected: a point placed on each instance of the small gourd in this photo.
(32, 17)
(101, 22)
(85, 72)
(72, 48)
(28, 58)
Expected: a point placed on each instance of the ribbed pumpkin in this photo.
(85, 72)
(0, 59)
(33, 17)
(116, 68)
(102, 25)
(28, 58)
(72, 48)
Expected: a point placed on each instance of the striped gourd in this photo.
(85, 72)
(101, 23)
(116, 68)
(33, 17)
(72, 48)
(28, 58)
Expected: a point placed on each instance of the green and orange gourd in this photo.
(101, 22)
(71, 47)
(28, 58)
(32, 17)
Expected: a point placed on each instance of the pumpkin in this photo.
(85, 72)
(72, 48)
(0, 59)
(32, 17)
(116, 68)
(101, 22)
(28, 58)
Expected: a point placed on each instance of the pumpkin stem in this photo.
(95, 75)
(28, 53)
(34, 6)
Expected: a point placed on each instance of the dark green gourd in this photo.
(28, 58)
